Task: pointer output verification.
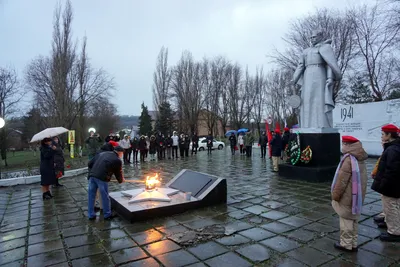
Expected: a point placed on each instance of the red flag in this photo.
(277, 128)
(269, 134)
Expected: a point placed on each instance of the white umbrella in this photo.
(48, 133)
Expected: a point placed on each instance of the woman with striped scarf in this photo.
(348, 191)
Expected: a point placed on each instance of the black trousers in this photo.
(242, 149)
(186, 152)
(249, 150)
(182, 152)
(263, 151)
(175, 152)
(233, 150)
(209, 149)
(135, 155)
(160, 153)
(194, 150)
(126, 155)
(129, 154)
(142, 155)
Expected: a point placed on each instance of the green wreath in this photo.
(293, 150)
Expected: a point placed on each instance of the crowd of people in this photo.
(348, 188)
(244, 143)
(160, 146)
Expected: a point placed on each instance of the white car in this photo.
(203, 144)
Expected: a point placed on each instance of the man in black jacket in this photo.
(387, 182)
(262, 142)
(101, 168)
(195, 143)
(233, 142)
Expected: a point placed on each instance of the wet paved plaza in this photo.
(268, 221)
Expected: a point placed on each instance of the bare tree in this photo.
(64, 83)
(336, 26)
(376, 39)
(10, 95)
(93, 84)
(236, 97)
(161, 79)
(217, 82)
(259, 97)
(187, 85)
(278, 89)
(249, 95)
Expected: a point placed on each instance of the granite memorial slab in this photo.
(187, 190)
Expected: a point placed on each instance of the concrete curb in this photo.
(36, 178)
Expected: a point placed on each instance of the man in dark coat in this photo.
(387, 182)
(168, 145)
(135, 147)
(276, 144)
(233, 143)
(142, 148)
(262, 142)
(101, 168)
(160, 145)
(93, 143)
(195, 143)
(182, 145)
(209, 140)
(187, 145)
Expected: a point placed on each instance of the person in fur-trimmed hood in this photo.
(348, 191)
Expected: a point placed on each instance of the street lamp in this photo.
(2, 123)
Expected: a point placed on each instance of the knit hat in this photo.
(349, 139)
(118, 149)
(390, 128)
(107, 147)
(286, 129)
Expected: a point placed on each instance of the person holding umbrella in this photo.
(233, 142)
(47, 171)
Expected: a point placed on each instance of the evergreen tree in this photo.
(395, 94)
(165, 118)
(359, 92)
(145, 127)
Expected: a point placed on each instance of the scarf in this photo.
(355, 183)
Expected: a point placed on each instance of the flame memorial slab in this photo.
(187, 190)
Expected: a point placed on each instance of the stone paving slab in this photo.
(268, 221)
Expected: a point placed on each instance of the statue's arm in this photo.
(299, 70)
(333, 70)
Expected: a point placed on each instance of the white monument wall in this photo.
(364, 121)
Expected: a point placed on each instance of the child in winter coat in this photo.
(348, 191)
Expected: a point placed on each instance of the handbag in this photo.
(236, 148)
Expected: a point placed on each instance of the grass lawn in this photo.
(27, 160)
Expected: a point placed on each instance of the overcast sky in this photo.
(125, 36)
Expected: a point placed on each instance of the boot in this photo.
(47, 195)
(382, 225)
(389, 237)
(379, 219)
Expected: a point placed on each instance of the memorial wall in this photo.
(364, 121)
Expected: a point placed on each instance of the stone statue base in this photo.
(325, 157)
